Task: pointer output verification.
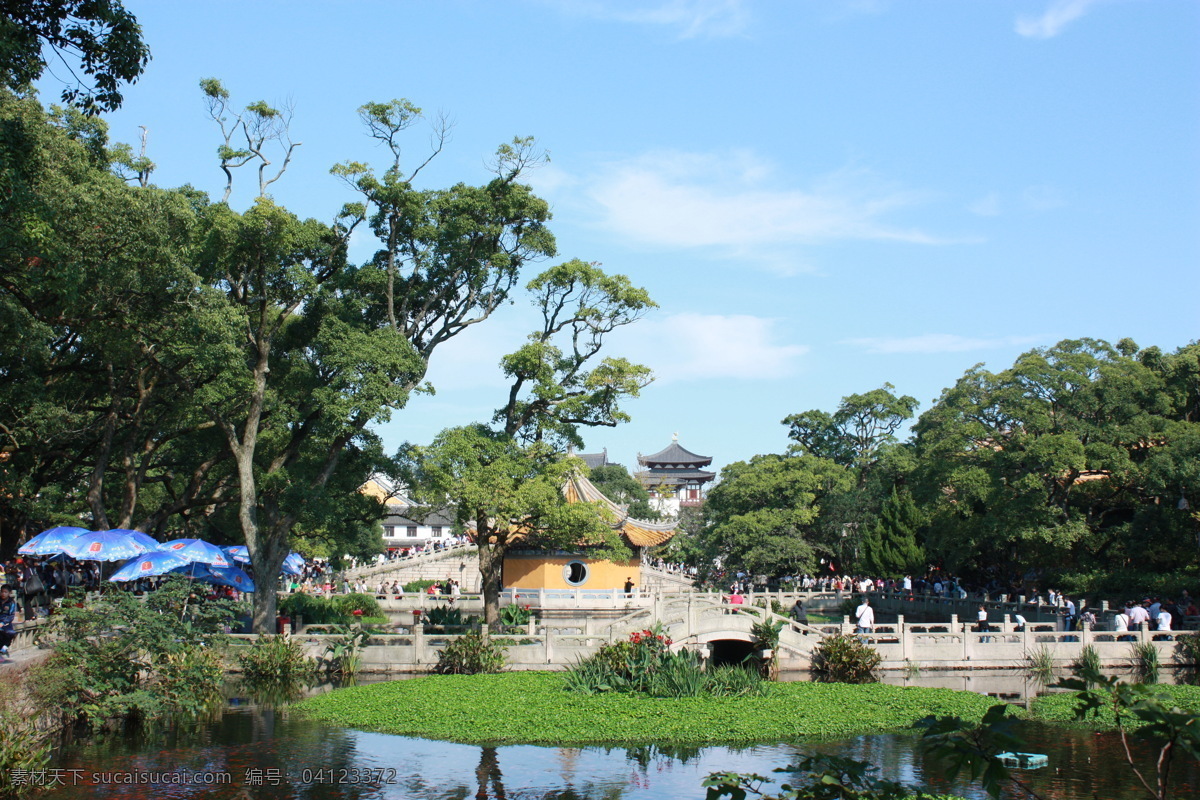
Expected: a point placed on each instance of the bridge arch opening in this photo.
(729, 651)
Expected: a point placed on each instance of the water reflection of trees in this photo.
(489, 784)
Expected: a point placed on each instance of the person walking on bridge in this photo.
(865, 616)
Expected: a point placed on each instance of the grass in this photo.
(534, 708)
(1059, 707)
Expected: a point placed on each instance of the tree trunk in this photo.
(267, 562)
(491, 558)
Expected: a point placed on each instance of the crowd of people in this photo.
(1162, 613)
(34, 582)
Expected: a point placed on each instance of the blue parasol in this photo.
(112, 545)
(223, 576)
(50, 542)
(238, 552)
(199, 551)
(149, 565)
(149, 542)
(292, 565)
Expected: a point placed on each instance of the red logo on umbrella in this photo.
(147, 565)
(178, 546)
(95, 547)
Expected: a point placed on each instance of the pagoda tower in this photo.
(675, 478)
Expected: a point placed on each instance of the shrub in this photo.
(413, 587)
(347, 604)
(765, 636)
(733, 681)
(343, 655)
(336, 610)
(513, 616)
(1144, 656)
(1087, 663)
(678, 675)
(1040, 664)
(276, 659)
(845, 659)
(443, 617)
(471, 654)
(23, 748)
(121, 658)
(1187, 655)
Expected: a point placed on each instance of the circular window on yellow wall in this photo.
(575, 573)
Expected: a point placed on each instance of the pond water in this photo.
(259, 752)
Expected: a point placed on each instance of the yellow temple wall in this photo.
(546, 572)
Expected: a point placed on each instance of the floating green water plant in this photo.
(533, 708)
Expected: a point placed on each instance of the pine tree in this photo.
(890, 545)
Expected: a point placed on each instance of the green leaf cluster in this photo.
(123, 656)
(533, 708)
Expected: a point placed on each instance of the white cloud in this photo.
(690, 18)
(1057, 16)
(685, 347)
(1042, 198)
(938, 343)
(729, 203)
(986, 206)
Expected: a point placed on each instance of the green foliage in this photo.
(343, 656)
(1060, 707)
(854, 434)
(1146, 713)
(24, 748)
(471, 654)
(97, 38)
(1087, 663)
(619, 486)
(121, 656)
(447, 619)
(515, 616)
(1144, 656)
(1040, 665)
(337, 609)
(730, 680)
(534, 708)
(645, 664)
(275, 659)
(1187, 655)
(890, 548)
(845, 659)
(761, 515)
(1075, 457)
(964, 746)
(414, 587)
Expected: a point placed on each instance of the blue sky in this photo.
(821, 196)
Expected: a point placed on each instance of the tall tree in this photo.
(621, 487)
(1072, 458)
(328, 347)
(890, 548)
(107, 326)
(556, 386)
(96, 37)
(762, 515)
(854, 434)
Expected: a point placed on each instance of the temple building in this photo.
(674, 478)
(535, 568)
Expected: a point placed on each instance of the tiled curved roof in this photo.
(675, 455)
(639, 533)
